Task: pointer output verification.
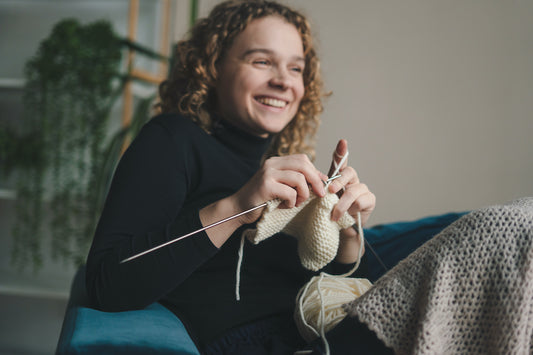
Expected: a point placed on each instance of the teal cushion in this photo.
(153, 330)
(392, 242)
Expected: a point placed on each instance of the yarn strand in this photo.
(321, 299)
(238, 272)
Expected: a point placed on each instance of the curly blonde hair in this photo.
(190, 87)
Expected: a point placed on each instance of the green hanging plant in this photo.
(67, 99)
(61, 153)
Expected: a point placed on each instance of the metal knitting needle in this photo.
(376, 256)
(204, 228)
(193, 233)
(331, 179)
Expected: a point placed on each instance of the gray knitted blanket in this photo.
(469, 290)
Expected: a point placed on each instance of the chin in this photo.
(274, 128)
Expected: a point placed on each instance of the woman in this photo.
(239, 114)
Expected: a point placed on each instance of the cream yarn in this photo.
(320, 303)
(310, 223)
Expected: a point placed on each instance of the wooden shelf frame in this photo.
(164, 49)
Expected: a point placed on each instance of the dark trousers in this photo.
(351, 337)
(279, 336)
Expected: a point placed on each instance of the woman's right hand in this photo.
(288, 178)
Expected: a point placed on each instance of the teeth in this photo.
(272, 102)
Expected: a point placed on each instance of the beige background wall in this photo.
(434, 97)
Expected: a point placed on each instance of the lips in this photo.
(270, 101)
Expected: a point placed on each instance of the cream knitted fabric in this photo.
(310, 223)
(469, 290)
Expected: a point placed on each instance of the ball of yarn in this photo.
(319, 303)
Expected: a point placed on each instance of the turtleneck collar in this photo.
(242, 143)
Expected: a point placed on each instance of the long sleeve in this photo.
(144, 208)
(171, 171)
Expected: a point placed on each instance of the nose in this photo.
(280, 79)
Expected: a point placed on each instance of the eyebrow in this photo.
(269, 52)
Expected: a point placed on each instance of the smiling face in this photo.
(260, 83)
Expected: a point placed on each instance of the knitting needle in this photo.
(204, 228)
(193, 233)
(376, 255)
(337, 168)
(331, 179)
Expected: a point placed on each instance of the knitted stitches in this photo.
(469, 290)
(310, 223)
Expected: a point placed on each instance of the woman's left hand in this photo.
(354, 197)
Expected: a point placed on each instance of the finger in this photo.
(340, 151)
(348, 177)
(295, 180)
(349, 200)
(365, 203)
(302, 164)
(287, 194)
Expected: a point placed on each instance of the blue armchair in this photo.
(156, 330)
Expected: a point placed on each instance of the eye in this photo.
(297, 69)
(261, 62)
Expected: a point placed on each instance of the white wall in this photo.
(434, 97)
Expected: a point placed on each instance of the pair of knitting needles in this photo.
(209, 226)
(334, 176)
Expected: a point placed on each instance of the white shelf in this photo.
(30, 291)
(11, 83)
(8, 194)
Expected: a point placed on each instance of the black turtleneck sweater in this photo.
(170, 171)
